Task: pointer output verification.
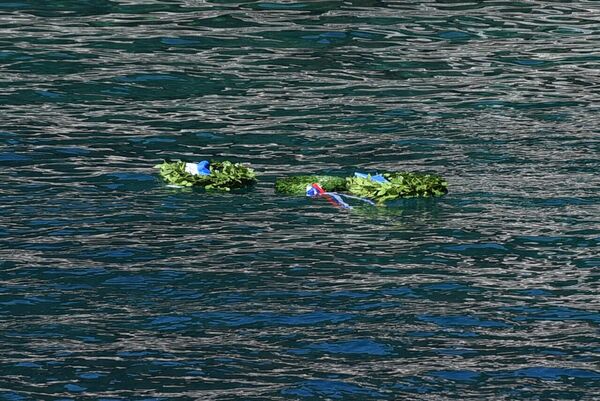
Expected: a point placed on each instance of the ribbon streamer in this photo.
(334, 198)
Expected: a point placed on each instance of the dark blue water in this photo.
(115, 287)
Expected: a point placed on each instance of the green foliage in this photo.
(296, 185)
(224, 176)
(401, 185)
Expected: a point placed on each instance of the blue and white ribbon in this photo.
(375, 178)
(200, 168)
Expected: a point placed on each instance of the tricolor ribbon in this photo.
(313, 190)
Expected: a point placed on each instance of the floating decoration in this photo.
(378, 188)
(215, 175)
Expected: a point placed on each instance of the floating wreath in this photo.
(222, 176)
(380, 188)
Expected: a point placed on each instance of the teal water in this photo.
(115, 287)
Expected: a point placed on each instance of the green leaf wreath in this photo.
(400, 185)
(224, 176)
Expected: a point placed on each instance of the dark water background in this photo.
(114, 287)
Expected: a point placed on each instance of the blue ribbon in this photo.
(204, 167)
(375, 178)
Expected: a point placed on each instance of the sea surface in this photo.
(114, 286)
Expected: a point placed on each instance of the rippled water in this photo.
(117, 287)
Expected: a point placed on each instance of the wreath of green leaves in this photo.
(224, 176)
(400, 185)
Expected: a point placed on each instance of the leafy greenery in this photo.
(224, 176)
(296, 185)
(400, 185)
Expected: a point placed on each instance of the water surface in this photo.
(115, 287)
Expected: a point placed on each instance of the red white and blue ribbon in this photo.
(314, 190)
